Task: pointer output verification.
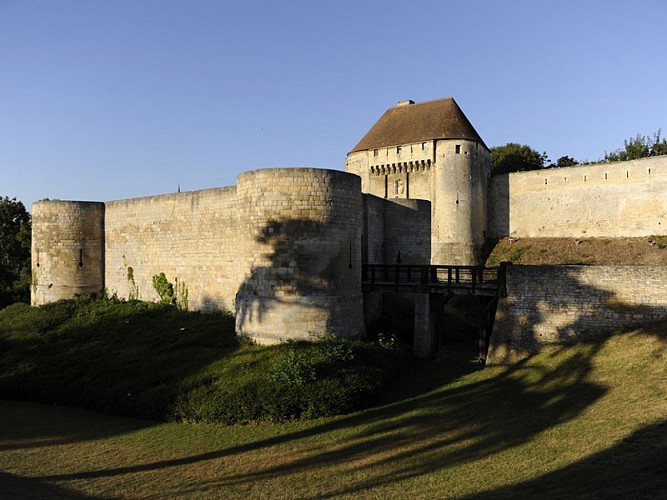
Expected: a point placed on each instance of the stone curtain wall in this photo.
(547, 305)
(623, 199)
(282, 249)
(192, 237)
(67, 249)
(393, 226)
(408, 231)
(301, 237)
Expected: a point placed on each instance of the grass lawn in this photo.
(588, 421)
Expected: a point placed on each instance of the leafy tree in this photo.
(566, 161)
(639, 147)
(15, 234)
(513, 157)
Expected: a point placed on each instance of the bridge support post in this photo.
(487, 316)
(424, 328)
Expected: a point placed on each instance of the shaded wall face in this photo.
(396, 228)
(191, 237)
(624, 199)
(67, 250)
(557, 305)
(301, 232)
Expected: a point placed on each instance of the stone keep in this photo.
(430, 151)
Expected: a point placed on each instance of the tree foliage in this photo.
(565, 161)
(513, 157)
(15, 234)
(639, 147)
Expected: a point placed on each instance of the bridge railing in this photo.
(469, 277)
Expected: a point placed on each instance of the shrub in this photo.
(164, 289)
(155, 361)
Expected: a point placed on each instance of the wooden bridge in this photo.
(434, 286)
(459, 280)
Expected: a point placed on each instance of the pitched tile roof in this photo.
(424, 121)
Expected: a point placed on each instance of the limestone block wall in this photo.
(623, 199)
(552, 305)
(300, 233)
(393, 226)
(192, 237)
(373, 244)
(67, 250)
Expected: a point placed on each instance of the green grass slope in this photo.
(587, 421)
(156, 362)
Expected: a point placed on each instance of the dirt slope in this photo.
(590, 251)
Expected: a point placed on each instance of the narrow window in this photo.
(585, 178)
(81, 257)
(398, 150)
(424, 147)
(605, 176)
(627, 174)
(458, 149)
(649, 171)
(375, 152)
(546, 181)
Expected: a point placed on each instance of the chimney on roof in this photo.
(407, 102)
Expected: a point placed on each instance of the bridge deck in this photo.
(458, 280)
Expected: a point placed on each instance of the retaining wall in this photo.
(554, 305)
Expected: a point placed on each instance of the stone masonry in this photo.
(560, 305)
(283, 248)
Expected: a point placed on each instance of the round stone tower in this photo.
(459, 194)
(302, 244)
(67, 250)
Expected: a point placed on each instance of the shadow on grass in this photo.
(14, 486)
(634, 468)
(439, 416)
(421, 427)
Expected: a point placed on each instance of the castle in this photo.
(283, 248)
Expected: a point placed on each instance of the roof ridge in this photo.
(450, 98)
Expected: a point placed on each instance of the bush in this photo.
(302, 380)
(155, 361)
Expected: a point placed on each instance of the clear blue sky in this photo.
(110, 99)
